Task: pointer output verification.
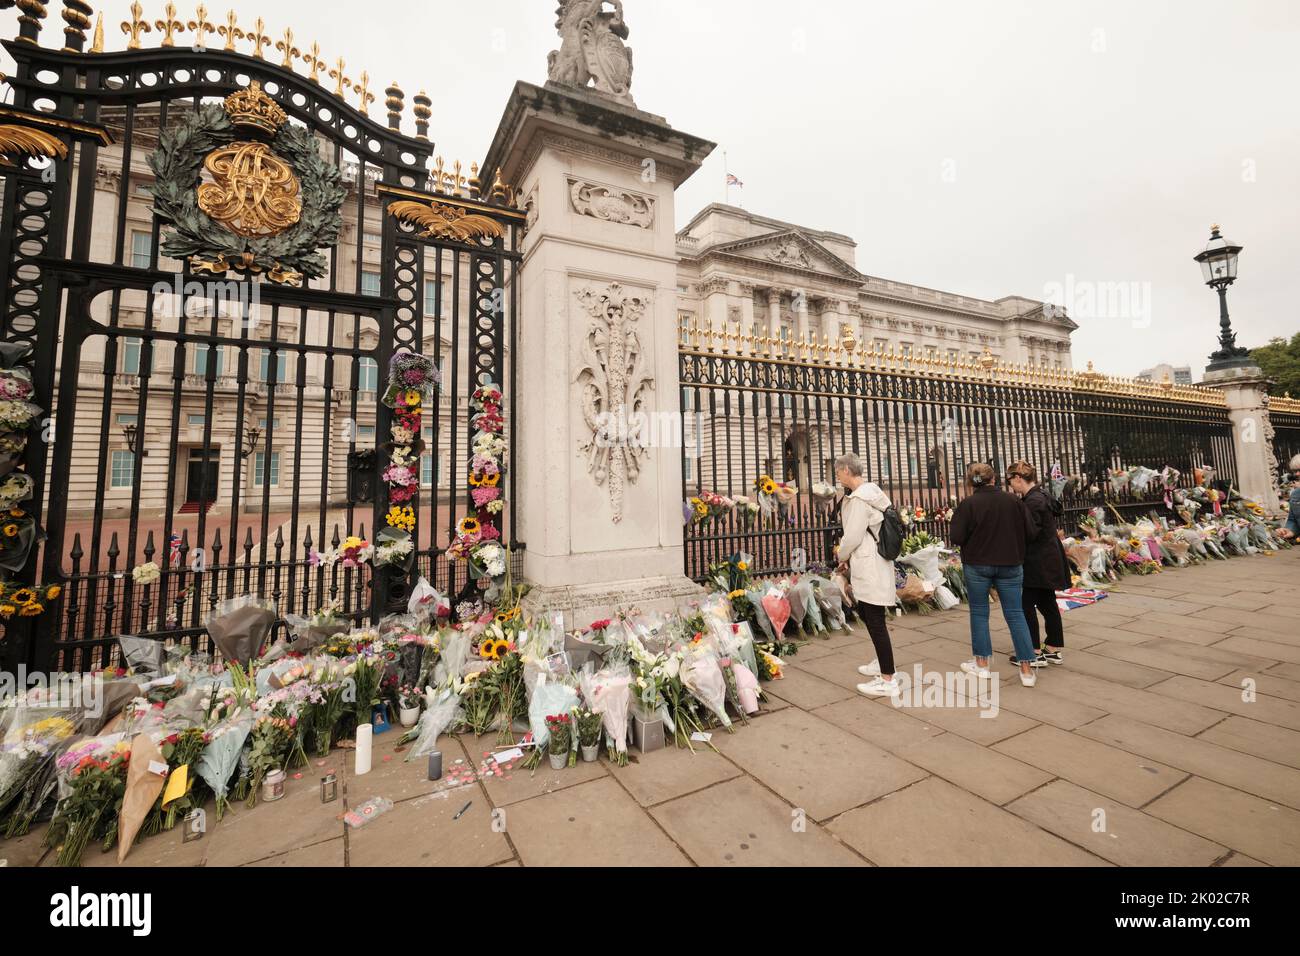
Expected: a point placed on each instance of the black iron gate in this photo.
(211, 370)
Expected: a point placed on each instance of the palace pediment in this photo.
(790, 249)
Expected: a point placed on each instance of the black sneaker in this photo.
(1039, 661)
(1052, 657)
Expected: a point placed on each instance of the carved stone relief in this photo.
(614, 377)
(612, 205)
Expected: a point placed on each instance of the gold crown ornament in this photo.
(254, 109)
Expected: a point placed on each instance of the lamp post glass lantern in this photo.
(1219, 267)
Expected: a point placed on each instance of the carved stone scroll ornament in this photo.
(614, 377)
(592, 51)
(612, 205)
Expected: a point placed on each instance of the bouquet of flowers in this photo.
(239, 626)
(608, 692)
(1139, 478)
(747, 508)
(17, 416)
(559, 736)
(773, 494)
(1119, 479)
(830, 600)
(220, 757)
(15, 488)
(28, 750)
(803, 606)
(588, 724)
(442, 709)
(548, 697)
(777, 606)
(702, 675)
(270, 744)
(95, 773)
(770, 667)
(823, 492)
(409, 372)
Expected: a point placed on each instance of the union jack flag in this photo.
(733, 181)
(175, 549)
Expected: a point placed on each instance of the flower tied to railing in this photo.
(478, 536)
(412, 381)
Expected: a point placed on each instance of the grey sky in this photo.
(985, 148)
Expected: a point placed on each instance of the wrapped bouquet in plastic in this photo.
(442, 710)
(239, 626)
(608, 692)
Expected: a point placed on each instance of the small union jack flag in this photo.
(175, 550)
(733, 181)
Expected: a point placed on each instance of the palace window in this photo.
(426, 470)
(125, 419)
(370, 283)
(431, 289)
(142, 250)
(131, 356)
(201, 359)
(368, 375)
(281, 366)
(123, 469)
(260, 471)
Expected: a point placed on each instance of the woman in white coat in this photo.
(872, 577)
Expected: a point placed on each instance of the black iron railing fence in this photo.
(759, 410)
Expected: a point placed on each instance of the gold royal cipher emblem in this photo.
(254, 193)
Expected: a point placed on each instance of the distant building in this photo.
(1178, 374)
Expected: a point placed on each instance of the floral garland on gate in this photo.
(412, 380)
(478, 536)
(19, 532)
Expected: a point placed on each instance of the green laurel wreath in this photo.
(177, 164)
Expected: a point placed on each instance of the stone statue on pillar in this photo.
(593, 51)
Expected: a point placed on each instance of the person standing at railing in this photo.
(991, 527)
(872, 576)
(1046, 568)
(1293, 502)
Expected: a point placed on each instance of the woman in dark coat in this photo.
(1046, 568)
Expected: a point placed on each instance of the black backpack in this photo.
(889, 538)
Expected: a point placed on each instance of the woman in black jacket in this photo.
(1046, 568)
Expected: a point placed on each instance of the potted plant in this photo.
(560, 728)
(590, 726)
(408, 704)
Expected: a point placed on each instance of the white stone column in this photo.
(801, 314)
(601, 517)
(746, 309)
(1246, 392)
(830, 320)
(714, 292)
(774, 313)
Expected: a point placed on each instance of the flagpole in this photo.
(726, 177)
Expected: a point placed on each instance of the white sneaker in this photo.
(1029, 680)
(870, 670)
(973, 667)
(880, 688)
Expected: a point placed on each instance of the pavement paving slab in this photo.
(1259, 829)
(741, 823)
(937, 824)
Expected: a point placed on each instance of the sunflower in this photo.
(17, 513)
(488, 650)
(505, 617)
(53, 591)
(768, 486)
(7, 611)
(23, 596)
(735, 594)
(743, 565)
(31, 609)
(469, 526)
(491, 481)
(11, 530)
(475, 481)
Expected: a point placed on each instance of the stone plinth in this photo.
(601, 515)
(1246, 392)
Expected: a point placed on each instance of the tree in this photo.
(1280, 361)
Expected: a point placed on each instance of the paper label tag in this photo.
(177, 785)
(701, 737)
(157, 768)
(506, 756)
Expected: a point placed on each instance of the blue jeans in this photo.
(1008, 582)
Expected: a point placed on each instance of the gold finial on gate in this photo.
(97, 45)
(423, 111)
(286, 47)
(695, 332)
(475, 184)
(313, 60)
(231, 30)
(341, 82)
(363, 90)
(395, 102)
(458, 180)
(169, 26)
(258, 38)
(76, 14)
(438, 174)
(199, 26)
(498, 188)
(137, 27)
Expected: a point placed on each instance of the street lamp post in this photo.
(1219, 266)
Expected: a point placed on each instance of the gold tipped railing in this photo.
(172, 29)
(699, 336)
